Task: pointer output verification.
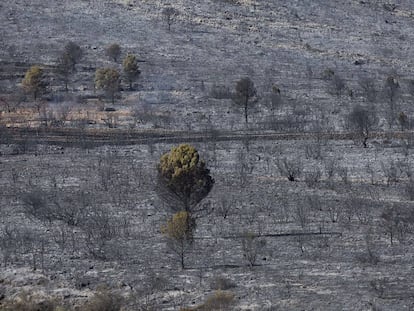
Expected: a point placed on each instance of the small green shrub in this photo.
(25, 302)
(220, 300)
(104, 300)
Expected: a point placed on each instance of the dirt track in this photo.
(70, 137)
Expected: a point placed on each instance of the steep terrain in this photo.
(292, 45)
(329, 224)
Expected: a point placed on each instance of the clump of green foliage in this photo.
(179, 232)
(131, 70)
(108, 79)
(25, 302)
(219, 300)
(104, 300)
(34, 81)
(183, 178)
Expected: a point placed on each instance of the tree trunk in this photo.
(364, 142)
(182, 260)
(182, 253)
(245, 112)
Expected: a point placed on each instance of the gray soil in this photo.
(323, 241)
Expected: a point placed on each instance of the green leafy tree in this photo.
(34, 82)
(179, 232)
(131, 70)
(183, 179)
(113, 51)
(107, 79)
(245, 92)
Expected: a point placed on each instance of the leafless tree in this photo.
(291, 169)
(169, 14)
(350, 208)
(392, 92)
(100, 227)
(331, 166)
(64, 68)
(343, 173)
(313, 177)
(111, 120)
(276, 97)
(224, 204)
(370, 170)
(302, 214)
(336, 82)
(409, 189)
(244, 167)
(245, 95)
(302, 241)
(370, 255)
(403, 120)
(113, 51)
(368, 87)
(35, 204)
(73, 51)
(106, 170)
(338, 85)
(334, 210)
(410, 87)
(391, 171)
(397, 221)
(362, 121)
(70, 208)
(251, 246)
(313, 150)
(9, 243)
(220, 92)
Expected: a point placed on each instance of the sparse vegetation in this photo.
(104, 300)
(25, 302)
(362, 121)
(222, 283)
(179, 232)
(64, 68)
(183, 179)
(113, 51)
(169, 14)
(392, 92)
(274, 100)
(291, 169)
(108, 79)
(131, 71)
(220, 300)
(34, 82)
(245, 92)
(73, 53)
(251, 246)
